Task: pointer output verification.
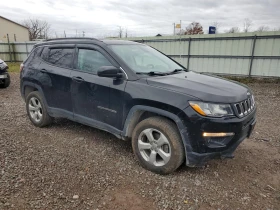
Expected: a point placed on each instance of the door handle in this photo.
(43, 71)
(78, 79)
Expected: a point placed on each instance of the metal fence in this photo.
(15, 52)
(246, 54)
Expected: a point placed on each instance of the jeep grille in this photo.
(245, 107)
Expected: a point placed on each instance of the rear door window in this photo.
(90, 60)
(62, 57)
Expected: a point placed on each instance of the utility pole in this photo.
(180, 28)
(11, 59)
(120, 32)
(55, 35)
(64, 34)
(180, 40)
(83, 34)
(174, 29)
(76, 32)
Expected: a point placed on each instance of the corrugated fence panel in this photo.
(276, 47)
(267, 47)
(182, 60)
(20, 48)
(220, 54)
(5, 56)
(222, 47)
(30, 47)
(19, 51)
(171, 48)
(266, 67)
(220, 65)
(20, 57)
(4, 48)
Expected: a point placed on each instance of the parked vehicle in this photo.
(170, 114)
(4, 75)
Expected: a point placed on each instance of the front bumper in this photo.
(199, 149)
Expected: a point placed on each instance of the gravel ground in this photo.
(72, 166)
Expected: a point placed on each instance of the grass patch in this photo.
(13, 66)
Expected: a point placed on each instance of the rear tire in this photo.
(157, 144)
(36, 110)
(6, 82)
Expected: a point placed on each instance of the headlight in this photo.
(211, 110)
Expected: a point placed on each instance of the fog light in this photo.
(217, 134)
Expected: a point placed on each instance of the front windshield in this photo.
(144, 59)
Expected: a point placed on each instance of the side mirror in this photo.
(109, 71)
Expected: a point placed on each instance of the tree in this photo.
(194, 28)
(38, 29)
(126, 33)
(233, 30)
(181, 32)
(217, 25)
(262, 28)
(120, 31)
(247, 24)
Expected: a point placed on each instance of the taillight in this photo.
(21, 67)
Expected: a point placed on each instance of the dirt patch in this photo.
(72, 166)
(126, 199)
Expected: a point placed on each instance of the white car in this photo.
(4, 75)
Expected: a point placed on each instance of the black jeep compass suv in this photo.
(170, 114)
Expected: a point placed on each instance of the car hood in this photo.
(205, 87)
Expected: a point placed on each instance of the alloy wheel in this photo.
(154, 147)
(35, 109)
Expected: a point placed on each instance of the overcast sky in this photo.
(102, 18)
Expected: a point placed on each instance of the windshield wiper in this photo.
(176, 70)
(151, 73)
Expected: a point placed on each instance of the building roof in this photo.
(13, 22)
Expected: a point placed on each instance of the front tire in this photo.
(157, 144)
(36, 110)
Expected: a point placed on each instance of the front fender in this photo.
(140, 108)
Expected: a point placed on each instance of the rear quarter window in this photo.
(33, 54)
(45, 53)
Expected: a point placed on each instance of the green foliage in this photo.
(13, 66)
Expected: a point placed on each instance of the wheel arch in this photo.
(136, 115)
(140, 112)
(28, 87)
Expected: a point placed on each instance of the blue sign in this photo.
(212, 29)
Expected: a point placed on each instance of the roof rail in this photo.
(86, 38)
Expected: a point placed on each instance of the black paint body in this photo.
(112, 104)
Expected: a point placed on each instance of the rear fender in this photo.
(35, 86)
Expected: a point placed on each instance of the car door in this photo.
(92, 95)
(55, 69)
